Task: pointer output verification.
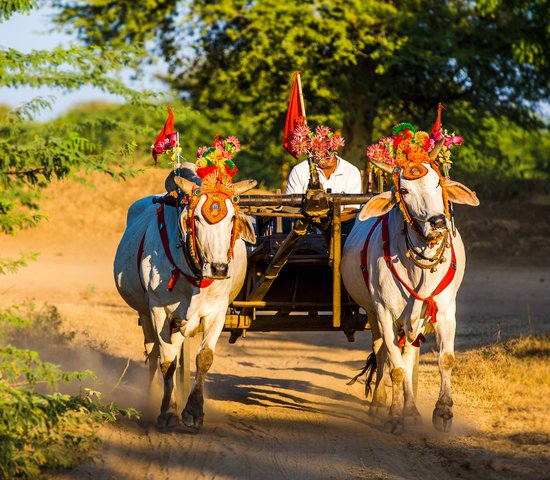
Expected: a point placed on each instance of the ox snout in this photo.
(438, 222)
(216, 270)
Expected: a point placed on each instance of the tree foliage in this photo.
(31, 154)
(365, 64)
(39, 429)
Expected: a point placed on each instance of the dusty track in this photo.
(278, 406)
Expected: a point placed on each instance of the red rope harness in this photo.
(432, 308)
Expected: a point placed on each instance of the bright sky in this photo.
(26, 33)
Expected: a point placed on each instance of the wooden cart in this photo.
(293, 280)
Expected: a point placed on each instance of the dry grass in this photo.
(507, 386)
(509, 380)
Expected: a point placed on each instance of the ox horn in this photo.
(437, 148)
(382, 166)
(243, 186)
(186, 186)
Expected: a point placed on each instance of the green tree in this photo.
(31, 154)
(39, 429)
(365, 64)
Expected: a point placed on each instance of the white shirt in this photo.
(346, 178)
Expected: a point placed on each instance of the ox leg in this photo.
(411, 414)
(168, 360)
(379, 401)
(193, 413)
(442, 417)
(394, 424)
(151, 350)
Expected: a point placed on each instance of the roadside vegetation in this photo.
(506, 384)
(40, 427)
(513, 375)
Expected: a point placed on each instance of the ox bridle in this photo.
(188, 239)
(409, 220)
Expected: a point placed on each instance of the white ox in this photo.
(428, 260)
(178, 281)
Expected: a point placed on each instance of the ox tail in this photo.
(369, 370)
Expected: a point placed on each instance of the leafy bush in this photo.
(43, 430)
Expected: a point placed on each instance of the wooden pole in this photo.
(336, 256)
(299, 78)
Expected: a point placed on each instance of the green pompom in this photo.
(403, 126)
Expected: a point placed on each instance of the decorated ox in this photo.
(404, 262)
(179, 268)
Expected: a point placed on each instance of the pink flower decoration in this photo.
(159, 147)
(200, 151)
(379, 153)
(436, 136)
(172, 139)
(235, 141)
(336, 142)
(322, 130)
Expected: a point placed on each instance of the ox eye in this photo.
(403, 191)
(197, 218)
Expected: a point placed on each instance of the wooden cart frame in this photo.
(273, 298)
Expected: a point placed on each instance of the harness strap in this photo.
(432, 308)
(197, 282)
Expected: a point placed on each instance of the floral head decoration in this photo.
(218, 157)
(320, 144)
(216, 167)
(409, 150)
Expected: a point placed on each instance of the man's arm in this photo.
(294, 183)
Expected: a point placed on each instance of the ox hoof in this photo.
(394, 426)
(194, 423)
(442, 419)
(167, 421)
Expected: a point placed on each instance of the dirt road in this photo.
(278, 406)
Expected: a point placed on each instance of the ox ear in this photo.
(186, 186)
(458, 193)
(246, 228)
(377, 205)
(244, 186)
